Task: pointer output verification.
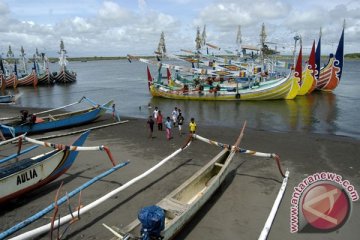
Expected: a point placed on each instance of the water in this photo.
(329, 113)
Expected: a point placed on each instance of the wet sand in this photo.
(239, 208)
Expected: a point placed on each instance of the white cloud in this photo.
(121, 27)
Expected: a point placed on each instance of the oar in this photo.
(45, 228)
(49, 208)
(241, 150)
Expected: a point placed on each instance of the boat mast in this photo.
(203, 37)
(62, 58)
(23, 60)
(262, 42)
(238, 41)
(161, 47)
(198, 42)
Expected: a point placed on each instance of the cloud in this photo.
(120, 27)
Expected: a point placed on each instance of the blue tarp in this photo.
(152, 219)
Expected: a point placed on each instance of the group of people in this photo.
(176, 120)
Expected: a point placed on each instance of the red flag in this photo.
(298, 67)
(149, 77)
(168, 74)
(312, 59)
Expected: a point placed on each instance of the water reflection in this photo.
(321, 112)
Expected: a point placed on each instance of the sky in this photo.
(121, 27)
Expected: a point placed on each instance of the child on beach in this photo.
(150, 123)
(192, 125)
(180, 121)
(175, 114)
(168, 128)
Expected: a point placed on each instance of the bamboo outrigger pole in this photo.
(45, 228)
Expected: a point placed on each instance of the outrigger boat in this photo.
(64, 76)
(330, 75)
(168, 217)
(41, 122)
(273, 89)
(31, 173)
(188, 198)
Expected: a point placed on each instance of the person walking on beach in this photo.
(113, 111)
(150, 123)
(159, 121)
(156, 113)
(175, 114)
(168, 128)
(192, 125)
(180, 121)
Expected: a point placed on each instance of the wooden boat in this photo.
(46, 78)
(64, 76)
(51, 122)
(273, 89)
(330, 75)
(182, 204)
(29, 80)
(32, 173)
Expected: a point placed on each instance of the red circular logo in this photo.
(326, 206)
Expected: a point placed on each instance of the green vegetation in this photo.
(352, 56)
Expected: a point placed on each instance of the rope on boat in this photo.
(45, 228)
(270, 219)
(82, 130)
(57, 203)
(241, 150)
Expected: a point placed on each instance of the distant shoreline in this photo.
(351, 56)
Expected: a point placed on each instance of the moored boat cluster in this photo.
(257, 75)
(14, 71)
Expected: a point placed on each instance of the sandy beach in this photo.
(239, 208)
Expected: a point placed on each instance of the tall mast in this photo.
(23, 60)
(62, 52)
(203, 37)
(161, 47)
(262, 41)
(238, 37)
(198, 39)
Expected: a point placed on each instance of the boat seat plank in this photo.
(21, 165)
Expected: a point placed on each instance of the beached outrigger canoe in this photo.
(165, 219)
(204, 183)
(31, 173)
(46, 122)
(28, 174)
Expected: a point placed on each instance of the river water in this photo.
(336, 112)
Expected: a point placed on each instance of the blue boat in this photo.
(50, 122)
(7, 99)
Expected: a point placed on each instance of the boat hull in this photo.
(51, 123)
(276, 89)
(16, 179)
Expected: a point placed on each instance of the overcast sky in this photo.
(117, 28)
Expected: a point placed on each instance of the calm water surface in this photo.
(335, 112)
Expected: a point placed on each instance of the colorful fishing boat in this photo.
(273, 89)
(43, 123)
(64, 76)
(330, 75)
(31, 173)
